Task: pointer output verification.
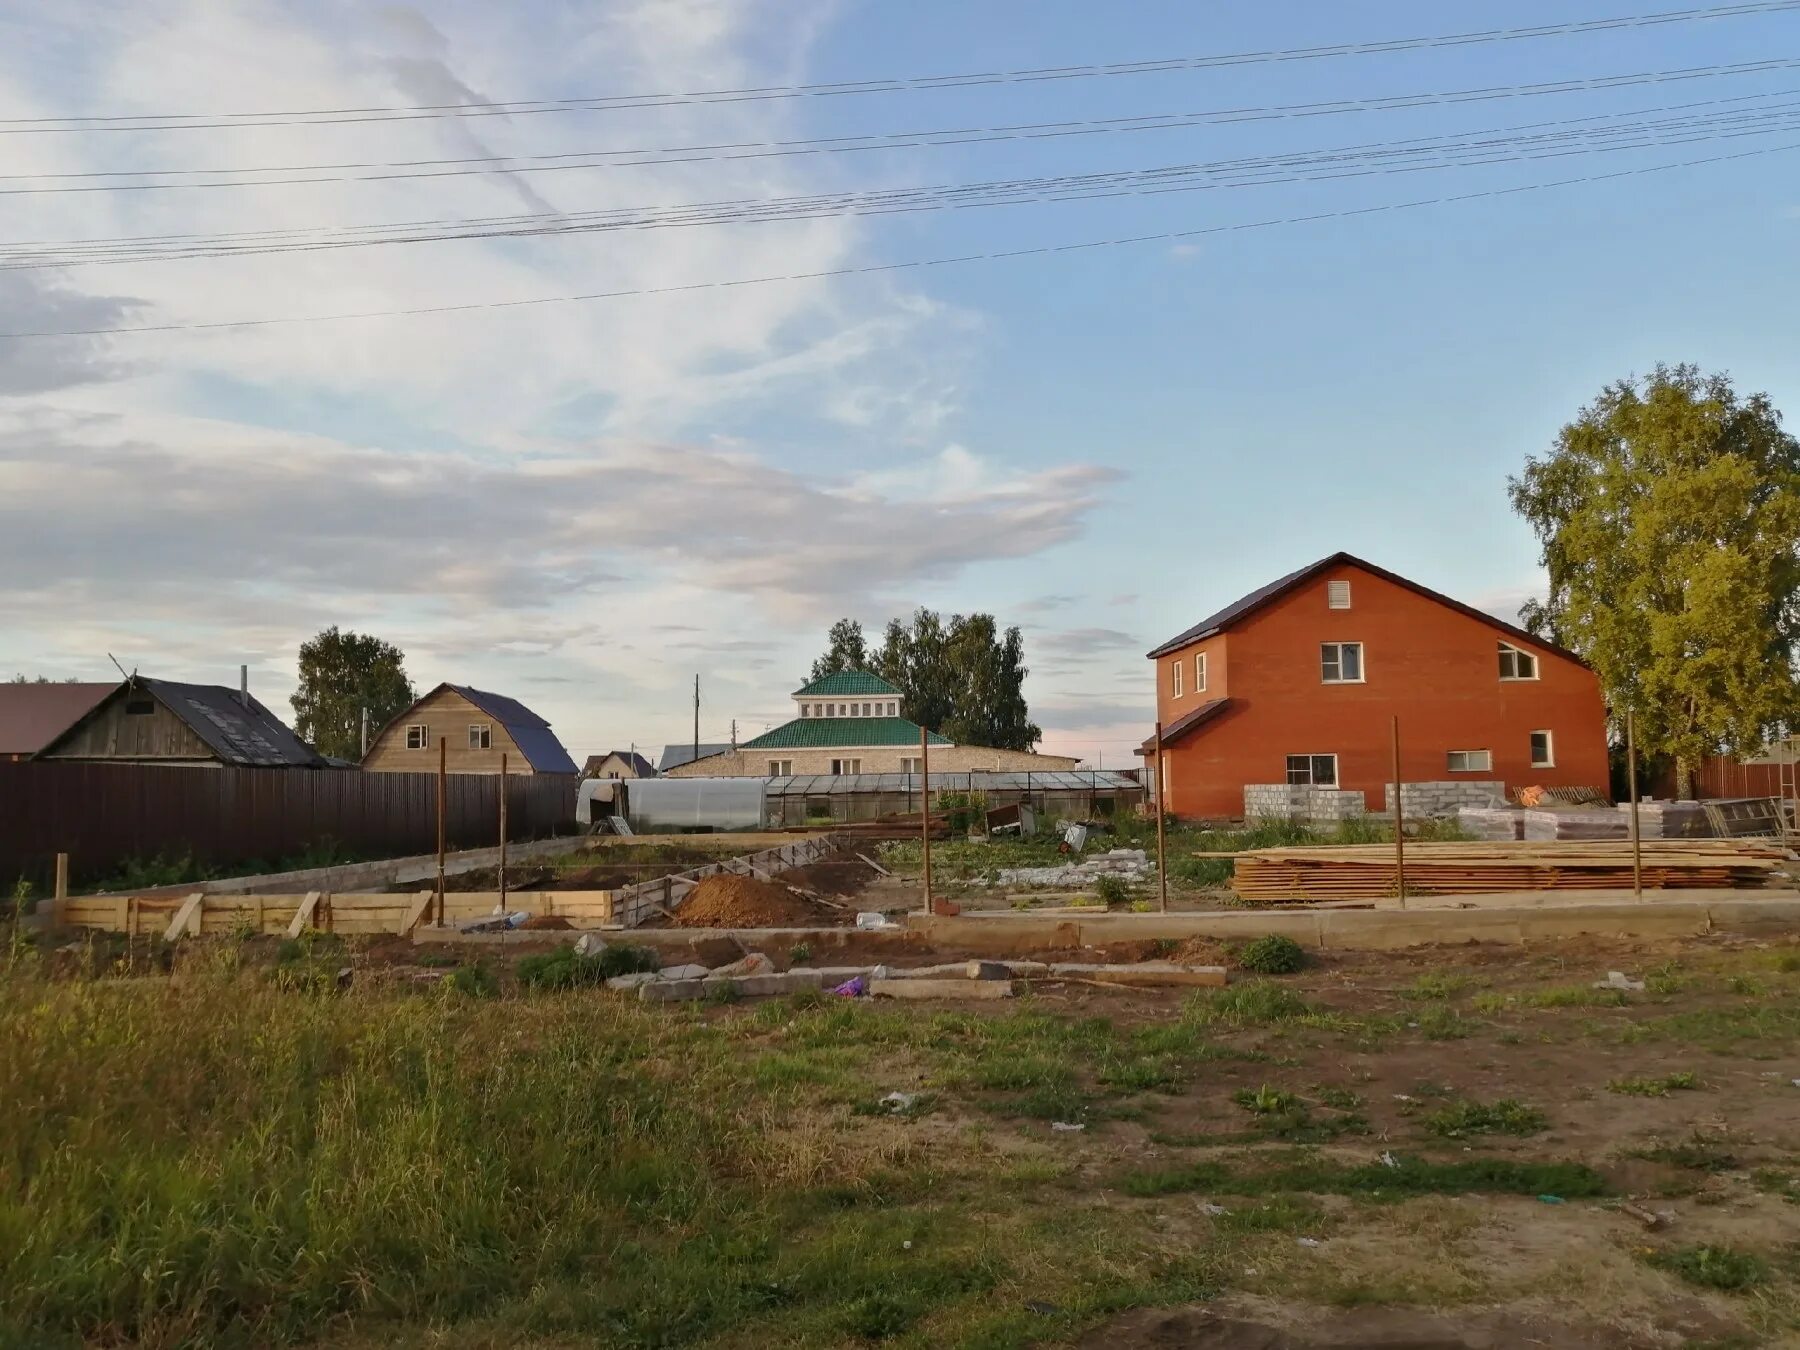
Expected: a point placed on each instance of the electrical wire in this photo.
(869, 269)
(1604, 133)
(901, 84)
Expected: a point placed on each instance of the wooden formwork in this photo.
(635, 904)
(289, 915)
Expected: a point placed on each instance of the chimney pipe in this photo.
(244, 685)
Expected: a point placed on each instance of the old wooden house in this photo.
(476, 728)
(146, 721)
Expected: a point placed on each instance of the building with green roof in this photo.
(852, 722)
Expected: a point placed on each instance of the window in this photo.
(1543, 750)
(1199, 672)
(1340, 662)
(418, 737)
(1312, 770)
(1337, 595)
(781, 768)
(481, 736)
(806, 710)
(846, 766)
(1175, 679)
(1516, 664)
(868, 710)
(1469, 761)
(139, 707)
(911, 764)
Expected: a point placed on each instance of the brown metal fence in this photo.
(103, 814)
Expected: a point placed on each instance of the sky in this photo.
(585, 504)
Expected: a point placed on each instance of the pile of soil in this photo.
(537, 921)
(727, 900)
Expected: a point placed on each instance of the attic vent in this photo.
(1337, 595)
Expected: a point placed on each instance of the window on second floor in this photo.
(1470, 761)
(1341, 662)
(418, 737)
(1312, 770)
(1516, 663)
(1199, 672)
(1175, 668)
(481, 736)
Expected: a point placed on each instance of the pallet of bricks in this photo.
(1368, 871)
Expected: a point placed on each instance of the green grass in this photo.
(1271, 955)
(1462, 1118)
(1410, 1176)
(1654, 1087)
(1696, 1154)
(566, 968)
(1252, 1003)
(1723, 1268)
(1436, 987)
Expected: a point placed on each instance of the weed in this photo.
(1574, 996)
(430, 959)
(1282, 1214)
(722, 993)
(1786, 962)
(475, 981)
(1205, 873)
(805, 1000)
(1112, 890)
(1507, 1116)
(1654, 1087)
(1265, 1100)
(1140, 906)
(1443, 1024)
(1254, 1002)
(1723, 1268)
(1668, 978)
(1340, 1099)
(1146, 1074)
(1271, 955)
(1408, 1176)
(566, 968)
(1748, 985)
(1696, 1154)
(1436, 987)
(800, 953)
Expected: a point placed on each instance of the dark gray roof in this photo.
(1262, 595)
(1182, 725)
(639, 765)
(238, 732)
(675, 755)
(529, 732)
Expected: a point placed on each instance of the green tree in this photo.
(964, 678)
(1669, 515)
(847, 649)
(340, 675)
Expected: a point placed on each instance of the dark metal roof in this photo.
(33, 715)
(529, 732)
(641, 766)
(675, 755)
(1182, 725)
(1249, 604)
(236, 730)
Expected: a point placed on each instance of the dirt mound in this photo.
(546, 921)
(840, 874)
(731, 901)
(1194, 951)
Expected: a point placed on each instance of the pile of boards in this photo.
(1367, 871)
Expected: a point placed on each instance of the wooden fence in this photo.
(103, 814)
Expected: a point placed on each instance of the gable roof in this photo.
(848, 682)
(1247, 605)
(638, 763)
(673, 756)
(234, 726)
(820, 733)
(529, 732)
(33, 715)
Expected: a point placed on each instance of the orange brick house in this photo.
(1297, 684)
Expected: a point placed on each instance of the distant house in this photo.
(32, 715)
(850, 723)
(674, 756)
(618, 764)
(146, 721)
(477, 728)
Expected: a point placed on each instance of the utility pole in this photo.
(696, 716)
(734, 733)
(365, 731)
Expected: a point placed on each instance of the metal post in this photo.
(696, 717)
(1637, 850)
(61, 893)
(1399, 823)
(443, 783)
(365, 731)
(1162, 814)
(925, 807)
(503, 831)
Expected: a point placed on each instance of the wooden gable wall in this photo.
(134, 726)
(447, 714)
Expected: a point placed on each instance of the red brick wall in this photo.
(1436, 668)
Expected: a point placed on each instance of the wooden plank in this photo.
(303, 915)
(863, 857)
(186, 922)
(421, 903)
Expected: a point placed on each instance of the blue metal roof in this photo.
(529, 732)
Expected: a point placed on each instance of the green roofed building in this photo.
(853, 722)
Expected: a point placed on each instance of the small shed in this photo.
(147, 721)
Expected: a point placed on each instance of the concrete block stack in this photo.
(1575, 822)
(1301, 802)
(1441, 800)
(1494, 823)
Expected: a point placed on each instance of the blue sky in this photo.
(583, 505)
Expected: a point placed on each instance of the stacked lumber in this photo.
(1367, 871)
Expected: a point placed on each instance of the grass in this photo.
(1409, 1176)
(1654, 1087)
(1723, 1268)
(1271, 955)
(1462, 1118)
(1695, 1154)
(566, 968)
(1436, 987)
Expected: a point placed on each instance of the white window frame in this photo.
(1199, 672)
(1549, 759)
(1516, 651)
(911, 764)
(1175, 678)
(846, 766)
(423, 736)
(1486, 765)
(1335, 589)
(1311, 779)
(781, 768)
(481, 735)
(1362, 664)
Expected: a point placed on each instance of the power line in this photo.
(1466, 149)
(901, 84)
(391, 170)
(1042, 250)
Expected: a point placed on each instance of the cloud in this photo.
(33, 302)
(1080, 644)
